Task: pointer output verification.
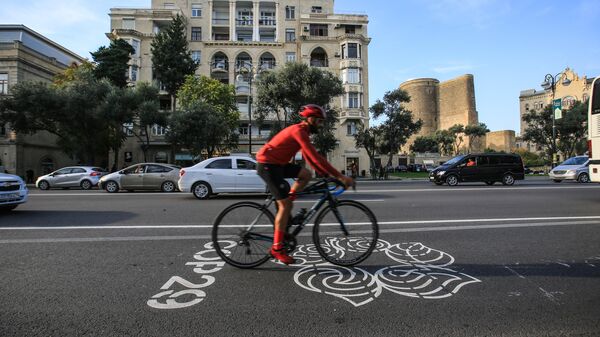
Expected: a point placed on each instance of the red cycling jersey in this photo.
(282, 148)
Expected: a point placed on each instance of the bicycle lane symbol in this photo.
(416, 271)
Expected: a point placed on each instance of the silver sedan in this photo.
(145, 176)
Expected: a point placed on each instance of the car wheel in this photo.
(583, 178)
(111, 186)
(201, 190)
(43, 185)
(508, 179)
(452, 180)
(86, 185)
(490, 183)
(167, 186)
(557, 180)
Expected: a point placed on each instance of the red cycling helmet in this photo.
(312, 110)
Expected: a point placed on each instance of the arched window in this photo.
(267, 61)
(318, 58)
(243, 60)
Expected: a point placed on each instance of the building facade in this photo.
(228, 36)
(28, 56)
(570, 87)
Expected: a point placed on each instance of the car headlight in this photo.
(441, 173)
(570, 171)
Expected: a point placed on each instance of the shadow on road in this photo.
(25, 218)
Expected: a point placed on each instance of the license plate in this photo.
(9, 196)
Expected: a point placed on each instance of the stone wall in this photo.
(503, 140)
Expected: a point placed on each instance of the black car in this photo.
(485, 167)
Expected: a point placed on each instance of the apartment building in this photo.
(228, 37)
(26, 55)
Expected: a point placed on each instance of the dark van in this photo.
(485, 167)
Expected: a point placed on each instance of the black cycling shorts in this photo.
(274, 176)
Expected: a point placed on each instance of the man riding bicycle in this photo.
(274, 165)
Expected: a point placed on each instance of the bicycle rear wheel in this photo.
(237, 243)
(350, 247)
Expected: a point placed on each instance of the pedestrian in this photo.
(381, 172)
(29, 173)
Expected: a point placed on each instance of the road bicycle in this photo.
(345, 232)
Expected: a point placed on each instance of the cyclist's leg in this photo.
(274, 177)
(303, 179)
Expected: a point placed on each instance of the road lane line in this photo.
(382, 231)
(410, 222)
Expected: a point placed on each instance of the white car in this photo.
(234, 174)
(12, 192)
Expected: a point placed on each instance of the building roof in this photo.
(37, 42)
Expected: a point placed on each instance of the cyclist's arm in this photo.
(318, 162)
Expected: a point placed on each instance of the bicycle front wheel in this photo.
(345, 234)
(243, 234)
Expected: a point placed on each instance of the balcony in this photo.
(219, 67)
(242, 88)
(351, 63)
(353, 113)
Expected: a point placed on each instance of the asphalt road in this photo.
(472, 260)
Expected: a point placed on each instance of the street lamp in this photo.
(550, 83)
(247, 71)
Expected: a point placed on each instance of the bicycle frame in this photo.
(326, 196)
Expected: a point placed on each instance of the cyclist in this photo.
(274, 165)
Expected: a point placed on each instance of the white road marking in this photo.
(384, 223)
(306, 233)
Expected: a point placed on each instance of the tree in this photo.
(145, 115)
(539, 129)
(209, 106)
(530, 158)
(425, 144)
(111, 62)
(457, 131)
(475, 132)
(282, 92)
(69, 111)
(171, 58)
(398, 125)
(445, 140)
(572, 130)
(369, 139)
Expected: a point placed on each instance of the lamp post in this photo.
(246, 69)
(550, 83)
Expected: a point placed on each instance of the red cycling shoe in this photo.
(281, 255)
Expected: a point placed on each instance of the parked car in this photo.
(85, 177)
(144, 176)
(486, 167)
(233, 174)
(574, 168)
(401, 168)
(13, 192)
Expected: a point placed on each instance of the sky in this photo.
(508, 45)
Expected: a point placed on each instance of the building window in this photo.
(4, 84)
(290, 12)
(245, 17)
(290, 57)
(316, 9)
(350, 29)
(351, 75)
(128, 129)
(128, 23)
(267, 19)
(158, 130)
(353, 100)
(196, 10)
(243, 129)
(351, 128)
(290, 35)
(318, 30)
(196, 55)
(196, 33)
(350, 51)
(136, 46)
(133, 73)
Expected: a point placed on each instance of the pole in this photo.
(250, 116)
(553, 127)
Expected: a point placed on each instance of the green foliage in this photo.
(208, 119)
(74, 72)
(281, 93)
(171, 58)
(370, 139)
(445, 140)
(425, 144)
(571, 130)
(475, 132)
(530, 159)
(111, 62)
(398, 124)
(200, 127)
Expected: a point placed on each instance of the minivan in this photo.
(575, 168)
(485, 167)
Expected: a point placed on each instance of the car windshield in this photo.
(454, 160)
(575, 161)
